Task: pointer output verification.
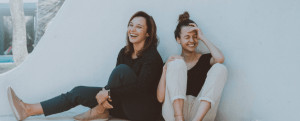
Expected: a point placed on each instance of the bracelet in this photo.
(176, 115)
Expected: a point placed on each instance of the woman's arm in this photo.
(217, 55)
(162, 87)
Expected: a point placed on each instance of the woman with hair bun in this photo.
(191, 83)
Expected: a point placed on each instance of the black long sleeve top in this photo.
(148, 69)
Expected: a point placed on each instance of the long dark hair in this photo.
(151, 30)
(183, 20)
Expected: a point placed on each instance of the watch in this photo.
(108, 92)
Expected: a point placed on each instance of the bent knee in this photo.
(177, 64)
(77, 89)
(122, 67)
(219, 68)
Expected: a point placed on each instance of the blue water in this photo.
(6, 59)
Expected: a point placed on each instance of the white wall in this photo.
(259, 39)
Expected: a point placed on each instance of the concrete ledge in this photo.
(58, 117)
(64, 116)
(6, 67)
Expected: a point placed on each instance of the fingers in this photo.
(109, 99)
(176, 57)
(193, 24)
(107, 105)
(99, 101)
(197, 30)
(194, 29)
(171, 58)
(98, 98)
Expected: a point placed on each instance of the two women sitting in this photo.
(141, 88)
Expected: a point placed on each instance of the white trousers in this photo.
(176, 83)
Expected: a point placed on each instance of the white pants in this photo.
(176, 82)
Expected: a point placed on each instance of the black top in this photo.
(140, 97)
(148, 69)
(197, 75)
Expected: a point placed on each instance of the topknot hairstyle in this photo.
(183, 17)
(183, 20)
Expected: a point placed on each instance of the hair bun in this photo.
(184, 16)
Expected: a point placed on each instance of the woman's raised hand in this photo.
(200, 35)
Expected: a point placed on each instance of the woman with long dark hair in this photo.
(191, 84)
(131, 89)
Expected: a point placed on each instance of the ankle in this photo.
(99, 109)
(27, 109)
(179, 117)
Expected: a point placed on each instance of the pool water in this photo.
(6, 59)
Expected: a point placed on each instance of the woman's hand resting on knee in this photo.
(106, 105)
(162, 82)
(171, 58)
(102, 98)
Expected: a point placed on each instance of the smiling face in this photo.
(137, 30)
(188, 40)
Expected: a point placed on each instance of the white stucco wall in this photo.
(260, 40)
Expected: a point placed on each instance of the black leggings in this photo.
(122, 75)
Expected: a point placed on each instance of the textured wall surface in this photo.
(46, 11)
(19, 31)
(260, 40)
